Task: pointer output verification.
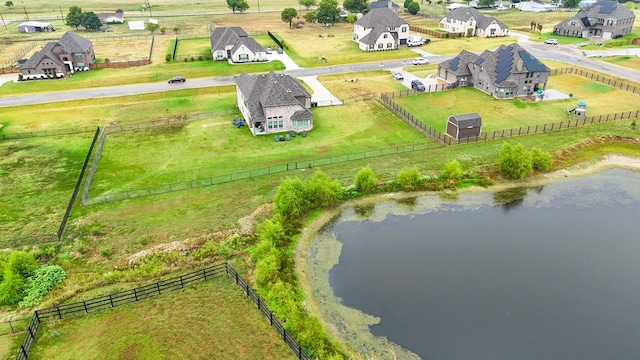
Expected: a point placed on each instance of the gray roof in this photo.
(600, 9)
(466, 13)
(74, 43)
(222, 37)
(459, 65)
(303, 114)
(383, 4)
(508, 60)
(104, 16)
(383, 17)
(38, 56)
(375, 33)
(267, 90)
(250, 43)
(468, 120)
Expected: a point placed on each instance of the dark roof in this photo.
(508, 60)
(383, 4)
(383, 17)
(468, 120)
(531, 63)
(266, 90)
(459, 65)
(38, 56)
(303, 114)
(74, 43)
(600, 9)
(250, 43)
(466, 13)
(222, 37)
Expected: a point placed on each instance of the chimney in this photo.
(519, 65)
(289, 96)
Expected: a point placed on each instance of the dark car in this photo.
(417, 85)
(177, 79)
(617, 36)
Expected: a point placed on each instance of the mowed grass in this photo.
(120, 50)
(193, 46)
(349, 85)
(435, 108)
(208, 320)
(212, 147)
(631, 62)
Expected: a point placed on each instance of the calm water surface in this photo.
(555, 275)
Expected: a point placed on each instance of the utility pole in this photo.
(149, 7)
(61, 16)
(258, 5)
(25, 10)
(3, 23)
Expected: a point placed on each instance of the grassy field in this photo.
(194, 46)
(632, 62)
(203, 321)
(435, 108)
(343, 86)
(122, 51)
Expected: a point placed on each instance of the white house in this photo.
(380, 29)
(469, 21)
(233, 43)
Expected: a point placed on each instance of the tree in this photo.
(176, 29)
(514, 162)
(310, 17)
(540, 160)
(288, 15)
(237, 5)
(8, 4)
(413, 8)
(355, 6)
(407, 3)
(151, 27)
(74, 17)
(365, 180)
(408, 179)
(290, 200)
(452, 170)
(307, 3)
(486, 3)
(570, 4)
(323, 191)
(90, 21)
(328, 12)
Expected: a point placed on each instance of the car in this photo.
(551, 42)
(268, 50)
(618, 36)
(280, 51)
(417, 85)
(420, 61)
(177, 79)
(502, 8)
(398, 76)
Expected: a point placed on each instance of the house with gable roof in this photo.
(234, 44)
(380, 29)
(385, 4)
(507, 72)
(602, 19)
(470, 21)
(273, 103)
(59, 58)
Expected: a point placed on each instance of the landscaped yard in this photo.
(203, 321)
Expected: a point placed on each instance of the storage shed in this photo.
(35, 26)
(464, 126)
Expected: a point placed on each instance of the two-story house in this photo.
(602, 19)
(508, 72)
(468, 21)
(59, 58)
(273, 103)
(380, 29)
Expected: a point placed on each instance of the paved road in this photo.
(560, 53)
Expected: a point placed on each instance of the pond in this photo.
(538, 273)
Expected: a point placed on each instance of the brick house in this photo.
(380, 29)
(508, 72)
(602, 19)
(59, 58)
(469, 21)
(273, 103)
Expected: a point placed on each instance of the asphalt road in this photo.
(560, 53)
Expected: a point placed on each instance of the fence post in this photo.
(111, 300)
(84, 304)
(59, 314)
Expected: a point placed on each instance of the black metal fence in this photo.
(275, 39)
(622, 85)
(110, 301)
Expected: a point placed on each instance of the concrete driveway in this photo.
(289, 64)
(5, 78)
(321, 95)
(428, 82)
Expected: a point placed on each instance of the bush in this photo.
(413, 8)
(200, 58)
(11, 289)
(452, 170)
(365, 181)
(22, 264)
(37, 286)
(540, 160)
(408, 179)
(514, 162)
(167, 58)
(322, 191)
(290, 200)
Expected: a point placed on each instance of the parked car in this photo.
(417, 85)
(177, 79)
(617, 36)
(268, 50)
(551, 42)
(420, 61)
(398, 76)
(280, 51)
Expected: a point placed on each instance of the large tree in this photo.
(90, 21)
(355, 6)
(237, 5)
(74, 16)
(288, 15)
(307, 3)
(514, 161)
(310, 17)
(328, 12)
(414, 7)
(570, 4)
(151, 27)
(8, 4)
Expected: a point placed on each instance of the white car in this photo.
(420, 61)
(398, 76)
(551, 41)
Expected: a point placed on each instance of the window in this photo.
(384, 36)
(49, 71)
(244, 56)
(380, 46)
(389, 45)
(403, 29)
(78, 55)
(371, 46)
(80, 65)
(300, 123)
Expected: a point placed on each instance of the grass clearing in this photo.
(193, 46)
(204, 321)
(345, 85)
(115, 51)
(631, 62)
(474, 44)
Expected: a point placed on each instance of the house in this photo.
(273, 103)
(35, 26)
(602, 19)
(456, 5)
(380, 29)
(382, 4)
(111, 18)
(508, 72)
(464, 126)
(234, 44)
(58, 58)
(534, 6)
(471, 22)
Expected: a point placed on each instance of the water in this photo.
(553, 275)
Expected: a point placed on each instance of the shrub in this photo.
(200, 58)
(408, 179)
(540, 160)
(413, 8)
(37, 286)
(290, 200)
(167, 58)
(106, 252)
(22, 264)
(452, 170)
(193, 59)
(514, 162)
(365, 181)
(11, 289)
(322, 191)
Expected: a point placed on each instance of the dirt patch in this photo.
(131, 352)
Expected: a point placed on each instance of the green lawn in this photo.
(348, 85)
(632, 62)
(204, 321)
(194, 46)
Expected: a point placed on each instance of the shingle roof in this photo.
(104, 16)
(74, 43)
(508, 60)
(250, 43)
(266, 90)
(383, 4)
(605, 9)
(468, 120)
(380, 17)
(466, 13)
(222, 37)
(38, 56)
(459, 65)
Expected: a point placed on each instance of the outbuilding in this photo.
(464, 126)
(35, 26)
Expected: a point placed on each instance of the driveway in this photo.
(320, 95)
(429, 82)
(612, 52)
(289, 64)
(5, 78)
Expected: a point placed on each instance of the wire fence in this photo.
(111, 301)
(14, 326)
(43, 133)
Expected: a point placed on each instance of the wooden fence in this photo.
(120, 64)
(14, 326)
(9, 70)
(436, 34)
(111, 301)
